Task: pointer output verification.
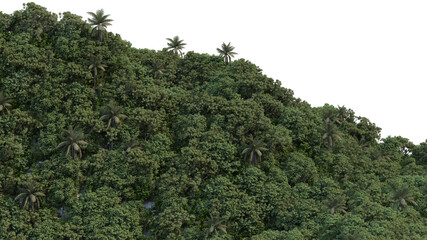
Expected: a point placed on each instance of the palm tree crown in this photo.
(157, 69)
(343, 114)
(214, 225)
(29, 196)
(226, 51)
(95, 64)
(176, 45)
(401, 197)
(254, 149)
(330, 134)
(4, 102)
(99, 21)
(331, 115)
(354, 236)
(113, 113)
(132, 145)
(335, 205)
(72, 140)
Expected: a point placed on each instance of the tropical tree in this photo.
(401, 196)
(113, 113)
(380, 154)
(214, 225)
(342, 114)
(226, 51)
(176, 45)
(96, 64)
(330, 134)
(254, 150)
(157, 69)
(99, 21)
(30, 195)
(4, 102)
(354, 236)
(335, 205)
(132, 145)
(330, 115)
(72, 140)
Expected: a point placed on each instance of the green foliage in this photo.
(401, 197)
(226, 51)
(99, 21)
(176, 45)
(30, 196)
(102, 216)
(5, 103)
(112, 113)
(299, 168)
(253, 150)
(162, 142)
(72, 140)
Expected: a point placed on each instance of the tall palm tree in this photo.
(335, 205)
(330, 134)
(253, 149)
(113, 113)
(29, 196)
(226, 51)
(215, 224)
(99, 21)
(72, 140)
(96, 64)
(401, 196)
(176, 45)
(4, 103)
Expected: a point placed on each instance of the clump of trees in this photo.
(204, 147)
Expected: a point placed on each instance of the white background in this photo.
(369, 55)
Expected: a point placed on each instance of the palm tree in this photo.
(29, 196)
(335, 205)
(113, 113)
(254, 149)
(424, 191)
(95, 64)
(4, 102)
(330, 134)
(215, 225)
(132, 145)
(330, 115)
(73, 139)
(226, 51)
(176, 45)
(99, 21)
(355, 236)
(342, 114)
(380, 154)
(401, 197)
(157, 69)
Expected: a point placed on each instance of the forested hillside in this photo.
(99, 140)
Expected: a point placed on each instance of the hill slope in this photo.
(183, 147)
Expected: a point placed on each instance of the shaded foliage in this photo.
(181, 127)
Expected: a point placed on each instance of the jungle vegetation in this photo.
(100, 140)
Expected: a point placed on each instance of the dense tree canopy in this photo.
(183, 164)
